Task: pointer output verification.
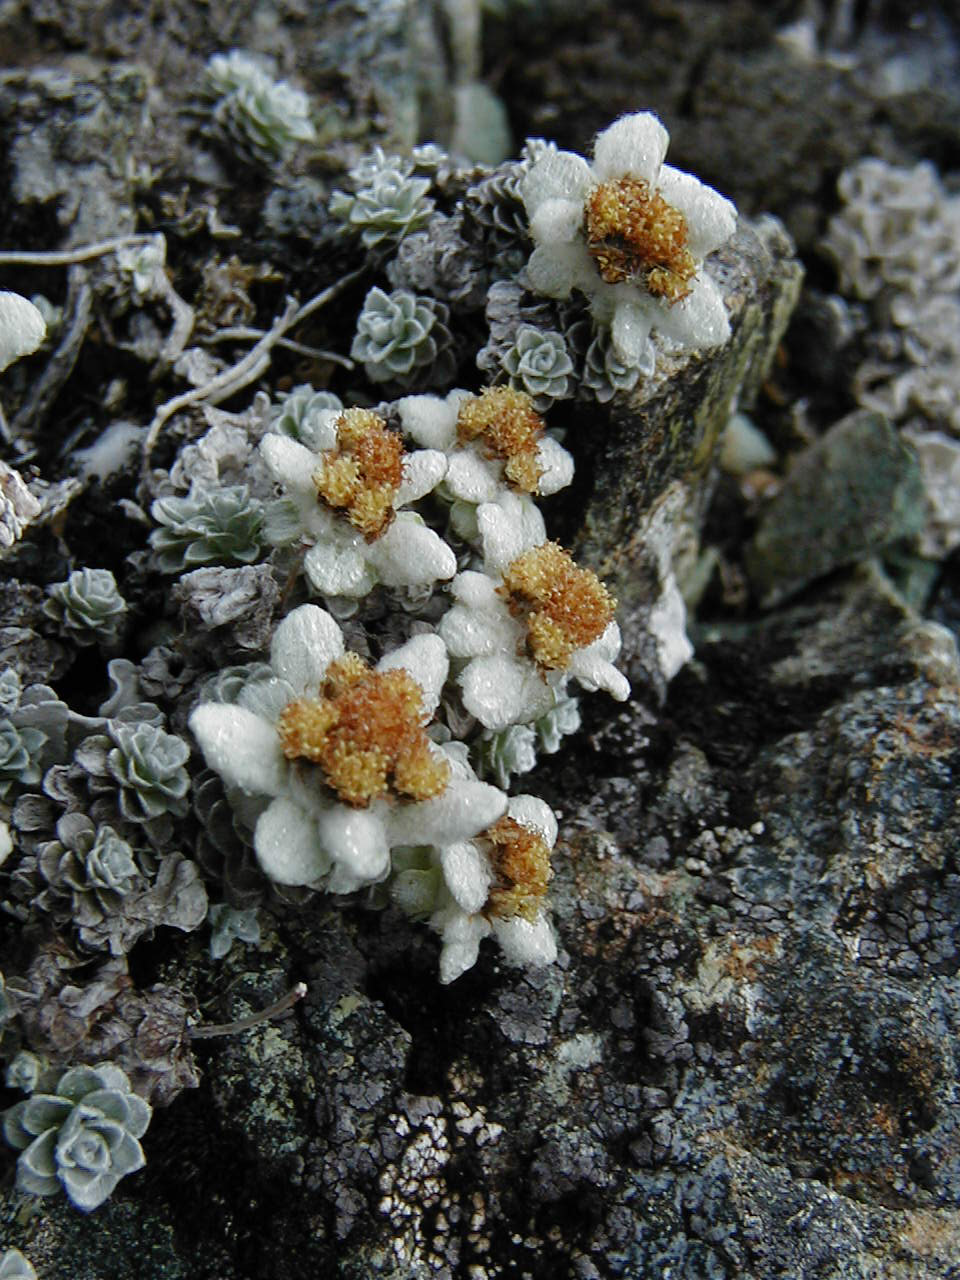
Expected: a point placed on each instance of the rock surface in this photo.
(742, 1065)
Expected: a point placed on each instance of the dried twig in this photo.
(327, 295)
(241, 332)
(245, 371)
(67, 257)
(183, 321)
(244, 1024)
(239, 375)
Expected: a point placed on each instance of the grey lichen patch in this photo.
(925, 1237)
(877, 809)
(730, 970)
(562, 1064)
(860, 624)
(360, 1055)
(527, 1007)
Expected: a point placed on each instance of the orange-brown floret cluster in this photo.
(521, 866)
(362, 475)
(508, 427)
(633, 234)
(365, 731)
(565, 607)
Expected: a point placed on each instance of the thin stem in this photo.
(321, 299)
(224, 384)
(244, 1024)
(67, 257)
(245, 371)
(241, 332)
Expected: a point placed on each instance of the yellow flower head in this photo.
(365, 731)
(634, 235)
(508, 427)
(362, 476)
(565, 607)
(521, 867)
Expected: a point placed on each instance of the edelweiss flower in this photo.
(631, 233)
(493, 884)
(527, 623)
(338, 748)
(492, 441)
(347, 496)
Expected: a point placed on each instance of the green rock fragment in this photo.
(856, 490)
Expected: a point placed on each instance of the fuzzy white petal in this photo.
(457, 755)
(556, 466)
(711, 219)
(463, 521)
(316, 521)
(604, 299)
(304, 645)
(557, 221)
(462, 935)
(266, 698)
(634, 145)
(414, 891)
(557, 175)
(532, 812)
(288, 845)
(463, 810)
(467, 873)
(291, 464)
(630, 331)
(476, 590)
(699, 320)
(430, 420)
(608, 645)
(241, 747)
(475, 633)
(337, 566)
(425, 658)
(22, 328)
(323, 428)
(501, 691)
(356, 840)
(471, 478)
(509, 527)
(593, 665)
(411, 555)
(529, 944)
(553, 269)
(422, 472)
